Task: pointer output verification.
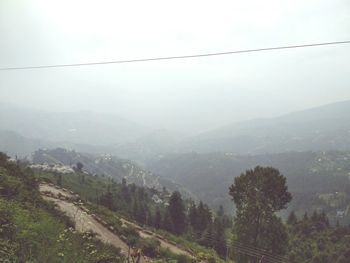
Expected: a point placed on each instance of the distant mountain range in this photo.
(23, 131)
(206, 163)
(322, 128)
(73, 127)
(13, 144)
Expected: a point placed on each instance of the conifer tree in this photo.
(157, 219)
(292, 219)
(177, 212)
(167, 222)
(193, 216)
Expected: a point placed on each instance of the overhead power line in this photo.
(267, 256)
(175, 57)
(252, 250)
(241, 247)
(260, 250)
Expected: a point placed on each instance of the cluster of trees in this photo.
(257, 233)
(262, 237)
(313, 239)
(129, 199)
(206, 229)
(196, 222)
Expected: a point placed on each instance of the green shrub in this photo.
(31, 230)
(150, 247)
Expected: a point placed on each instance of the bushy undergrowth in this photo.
(31, 230)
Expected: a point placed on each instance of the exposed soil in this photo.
(85, 222)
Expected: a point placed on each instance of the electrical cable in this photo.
(174, 57)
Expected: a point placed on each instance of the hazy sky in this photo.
(192, 94)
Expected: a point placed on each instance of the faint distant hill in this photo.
(74, 127)
(14, 144)
(23, 131)
(322, 128)
(150, 146)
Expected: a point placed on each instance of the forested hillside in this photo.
(316, 180)
(104, 165)
(29, 223)
(177, 220)
(310, 238)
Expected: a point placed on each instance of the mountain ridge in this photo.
(320, 128)
(297, 131)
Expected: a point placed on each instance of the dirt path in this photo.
(147, 234)
(54, 190)
(171, 247)
(85, 222)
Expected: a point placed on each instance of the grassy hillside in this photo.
(311, 239)
(114, 201)
(31, 230)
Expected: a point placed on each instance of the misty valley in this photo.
(156, 194)
(174, 131)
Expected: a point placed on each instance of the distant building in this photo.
(156, 199)
(340, 214)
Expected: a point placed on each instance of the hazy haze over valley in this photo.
(175, 131)
(186, 96)
(175, 117)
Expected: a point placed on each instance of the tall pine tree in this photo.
(176, 210)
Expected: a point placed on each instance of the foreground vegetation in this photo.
(113, 201)
(313, 239)
(31, 230)
(200, 230)
(260, 236)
